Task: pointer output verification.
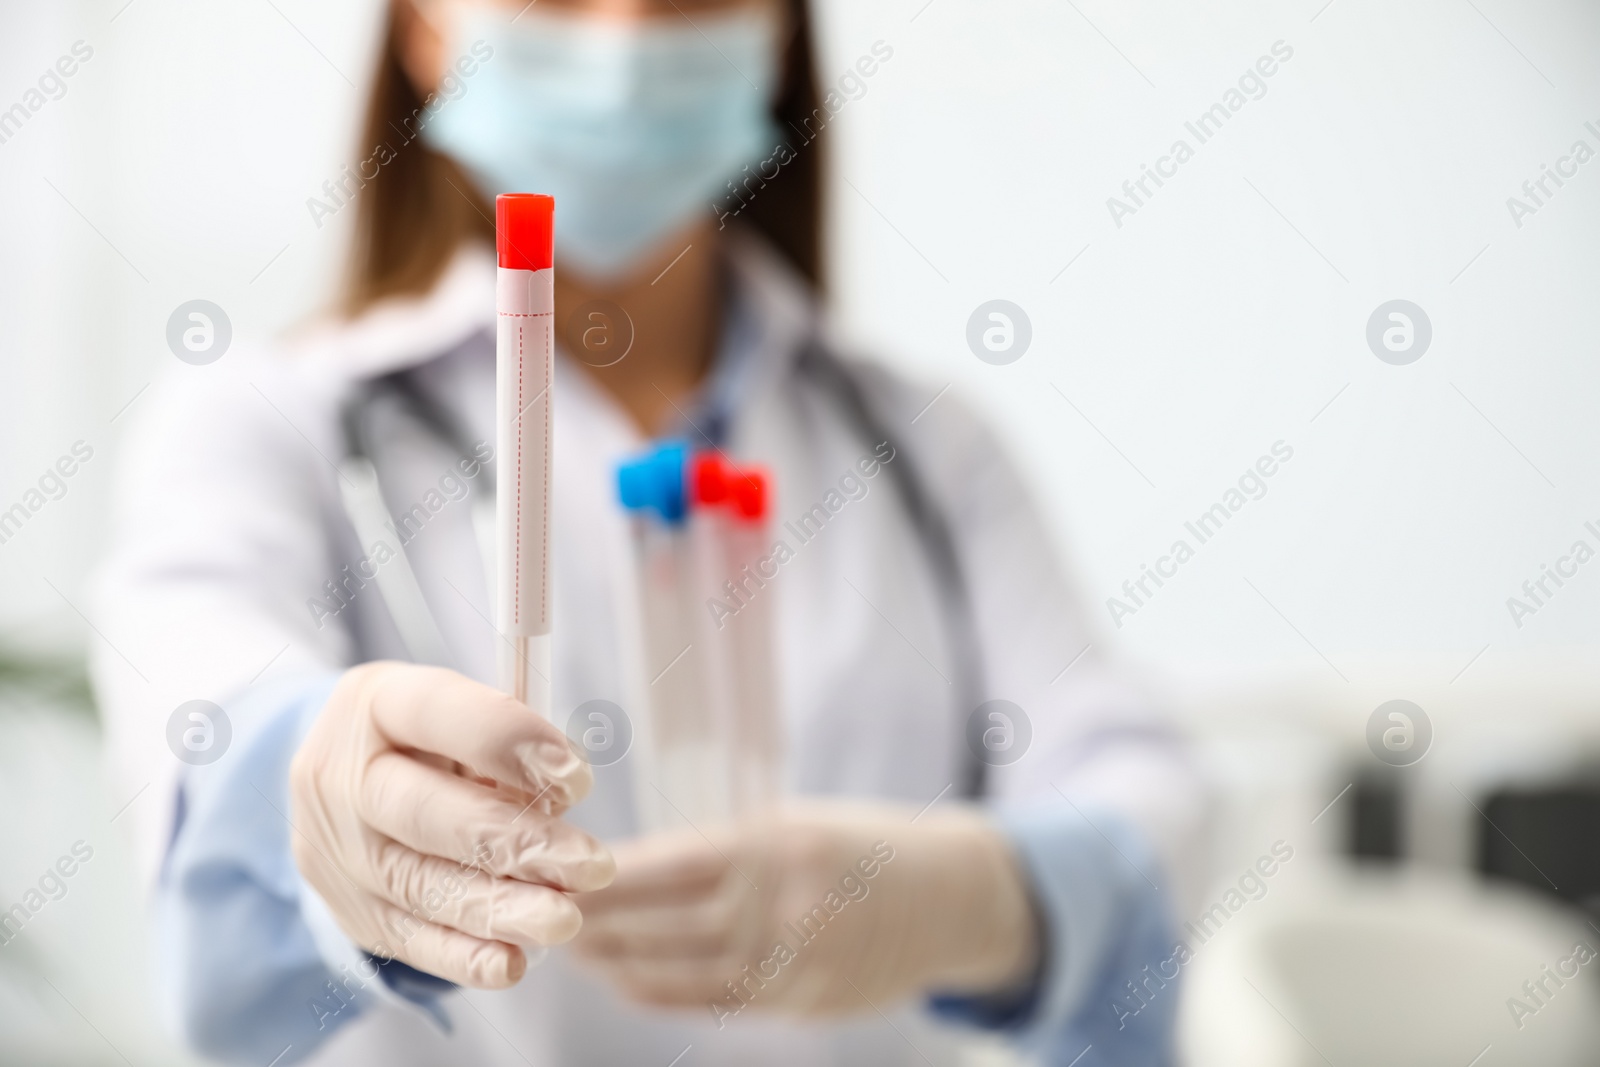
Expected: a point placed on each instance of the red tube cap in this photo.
(750, 493)
(709, 474)
(714, 482)
(525, 230)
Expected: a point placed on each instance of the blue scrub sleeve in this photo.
(243, 976)
(1107, 941)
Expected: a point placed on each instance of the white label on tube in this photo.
(524, 356)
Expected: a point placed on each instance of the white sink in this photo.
(1390, 971)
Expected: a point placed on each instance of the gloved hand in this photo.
(426, 814)
(857, 907)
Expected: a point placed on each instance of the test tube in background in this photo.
(686, 766)
(737, 574)
(713, 730)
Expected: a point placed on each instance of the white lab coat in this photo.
(229, 520)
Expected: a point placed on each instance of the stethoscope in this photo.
(402, 595)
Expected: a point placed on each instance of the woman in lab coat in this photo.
(355, 857)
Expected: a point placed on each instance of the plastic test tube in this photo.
(736, 503)
(685, 776)
(525, 306)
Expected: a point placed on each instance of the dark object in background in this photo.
(1545, 839)
(1374, 822)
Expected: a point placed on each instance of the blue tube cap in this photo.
(655, 481)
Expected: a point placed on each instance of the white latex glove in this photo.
(426, 814)
(857, 907)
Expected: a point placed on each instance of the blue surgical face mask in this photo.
(632, 126)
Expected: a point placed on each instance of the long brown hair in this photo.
(419, 206)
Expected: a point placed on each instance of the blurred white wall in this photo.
(175, 166)
(1206, 327)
